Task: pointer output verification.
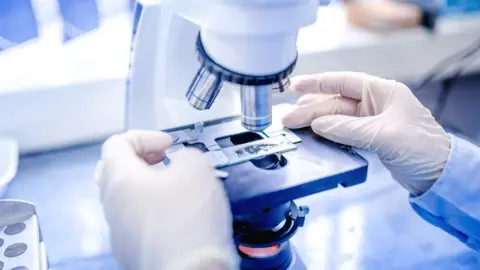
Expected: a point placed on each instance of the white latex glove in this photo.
(376, 114)
(176, 217)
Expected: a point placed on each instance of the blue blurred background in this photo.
(20, 20)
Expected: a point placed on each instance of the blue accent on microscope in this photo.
(262, 190)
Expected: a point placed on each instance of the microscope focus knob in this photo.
(302, 215)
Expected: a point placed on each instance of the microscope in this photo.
(206, 73)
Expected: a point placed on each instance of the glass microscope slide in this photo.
(248, 151)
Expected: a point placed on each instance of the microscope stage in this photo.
(266, 169)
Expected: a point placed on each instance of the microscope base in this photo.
(262, 238)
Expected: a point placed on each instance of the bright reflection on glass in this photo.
(318, 236)
(350, 228)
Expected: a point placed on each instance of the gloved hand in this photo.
(176, 217)
(376, 114)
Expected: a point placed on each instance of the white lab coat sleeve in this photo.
(453, 202)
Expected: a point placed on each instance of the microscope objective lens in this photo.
(256, 107)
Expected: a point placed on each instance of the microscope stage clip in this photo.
(301, 163)
(248, 151)
(274, 141)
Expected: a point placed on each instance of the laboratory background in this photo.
(65, 70)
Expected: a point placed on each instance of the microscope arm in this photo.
(251, 37)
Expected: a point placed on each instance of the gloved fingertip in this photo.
(344, 129)
(154, 158)
(332, 127)
(320, 125)
(168, 138)
(149, 140)
(303, 84)
(288, 122)
(293, 120)
(306, 99)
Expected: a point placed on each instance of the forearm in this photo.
(453, 202)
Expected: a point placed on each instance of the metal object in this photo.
(204, 89)
(20, 237)
(274, 142)
(213, 130)
(262, 237)
(256, 106)
(249, 151)
(198, 128)
(281, 86)
(174, 138)
(314, 165)
(255, 90)
(261, 194)
(221, 174)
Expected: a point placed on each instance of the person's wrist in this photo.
(444, 143)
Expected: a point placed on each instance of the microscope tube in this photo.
(204, 90)
(256, 106)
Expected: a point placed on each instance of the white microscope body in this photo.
(255, 38)
(184, 52)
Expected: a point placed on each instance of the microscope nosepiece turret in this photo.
(255, 91)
